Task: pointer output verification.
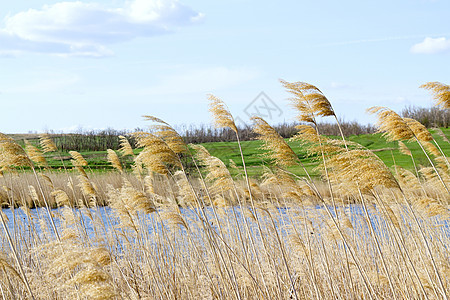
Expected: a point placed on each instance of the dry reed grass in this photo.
(363, 232)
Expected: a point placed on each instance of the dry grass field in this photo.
(179, 226)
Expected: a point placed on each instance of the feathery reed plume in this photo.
(306, 134)
(441, 93)
(47, 143)
(6, 265)
(87, 189)
(155, 119)
(35, 154)
(442, 163)
(114, 160)
(217, 171)
(4, 137)
(423, 135)
(33, 194)
(308, 100)
(186, 195)
(82, 171)
(279, 151)
(420, 131)
(222, 116)
(78, 159)
(125, 146)
(441, 134)
(317, 145)
(137, 200)
(233, 165)
(174, 219)
(431, 207)
(360, 167)
(61, 198)
(127, 202)
(148, 181)
(47, 180)
(299, 191)
(403, 149)
(76, 270)
(393, 127)
(429, 175)
(13, 155)
(166, 132)
(407, 179)
(157, 156)
(431, 148)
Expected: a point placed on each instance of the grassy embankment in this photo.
(388, 152)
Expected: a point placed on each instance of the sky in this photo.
(96, 64)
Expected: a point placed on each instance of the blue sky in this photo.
(97, 64)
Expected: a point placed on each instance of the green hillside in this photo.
(387, 151)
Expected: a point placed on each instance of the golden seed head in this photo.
(441, 93)
(308, 100)
(125, 146)
(218, 173)
(86, 186)
(174, 219)
(157, 156)
(167, 133)
(431, 148)
(442, 163)
(441, 134)
(35, 154)
(404, 149)
(154, 119)
(12, 154)
(61, 198)
(407, 178)
(360, 169)
(114, 160)
(221, 114)
(47, 143)
(420, 131)
(78, 159)
(393, 127)
(279, 151)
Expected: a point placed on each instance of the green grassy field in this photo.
(226, 151)
(387, 151)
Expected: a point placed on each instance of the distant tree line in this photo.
(92, 140)
(429, 117)
(207, 133)
(100, 140)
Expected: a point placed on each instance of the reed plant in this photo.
(178, 225)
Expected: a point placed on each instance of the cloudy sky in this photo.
(96, 63)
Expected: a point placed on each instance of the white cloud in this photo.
(85, 29)
(432, 46)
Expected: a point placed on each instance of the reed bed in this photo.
(166, 231)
